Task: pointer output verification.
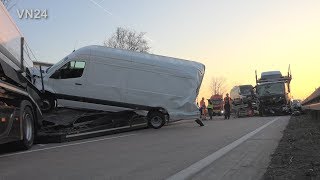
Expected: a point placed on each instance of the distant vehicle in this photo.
(217, 101)
(296, 105)
(101, 78)
(273, 92)
(242, 94)
(243, 100)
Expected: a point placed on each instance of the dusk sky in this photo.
(232, 38)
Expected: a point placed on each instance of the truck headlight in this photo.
(222, 112)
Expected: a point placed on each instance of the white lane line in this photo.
(198, 166)
(66, 145)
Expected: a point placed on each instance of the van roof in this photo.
(144, 58)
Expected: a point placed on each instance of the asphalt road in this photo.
(222, 149)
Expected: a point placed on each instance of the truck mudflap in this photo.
(9, 124)
(66, 125)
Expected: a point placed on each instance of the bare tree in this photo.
(218, 85)
(128, 39)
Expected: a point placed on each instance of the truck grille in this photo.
(216, 108)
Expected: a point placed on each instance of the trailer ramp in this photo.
(65, 125)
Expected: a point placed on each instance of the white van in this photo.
(101, 78)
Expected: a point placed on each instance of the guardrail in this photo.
(312, 104)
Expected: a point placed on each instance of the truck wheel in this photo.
(28, 128)
(48, 104)
(238, 114)
(156, 119)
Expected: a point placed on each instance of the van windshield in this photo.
(56, 64)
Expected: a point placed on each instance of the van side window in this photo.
(72, 69)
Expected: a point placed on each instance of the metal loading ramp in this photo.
(65, 125)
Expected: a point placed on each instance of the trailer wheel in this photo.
(261, 112)
(156, 119)
(28, 128)
(48, 104)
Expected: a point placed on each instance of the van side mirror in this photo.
(55, 75)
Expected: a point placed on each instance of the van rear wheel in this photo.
(156, 119)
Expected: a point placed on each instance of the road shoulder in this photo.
(297, 155)
(250, 159)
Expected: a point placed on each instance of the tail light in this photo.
(3, 120)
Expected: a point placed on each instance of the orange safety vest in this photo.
(227, 100)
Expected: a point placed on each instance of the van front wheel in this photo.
(156, 119)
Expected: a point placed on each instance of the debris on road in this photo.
(297, 155)
(198, 121)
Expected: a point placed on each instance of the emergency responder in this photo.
(202, 108)
(210, 108)
(227, 106)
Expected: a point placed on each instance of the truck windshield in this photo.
(270, 89)
(246, 90)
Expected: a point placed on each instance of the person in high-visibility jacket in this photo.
(210, 108)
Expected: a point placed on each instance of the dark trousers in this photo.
(227, 111)
(210, 112)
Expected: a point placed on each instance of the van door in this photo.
(107, 81)
(68, 82)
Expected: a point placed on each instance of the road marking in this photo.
(198, 166)
(66, 145)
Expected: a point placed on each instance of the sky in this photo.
(231, 38)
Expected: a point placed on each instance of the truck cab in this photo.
(20, 114)
(273, 91)
(217, 102)
(243, 100)
(242, 94)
